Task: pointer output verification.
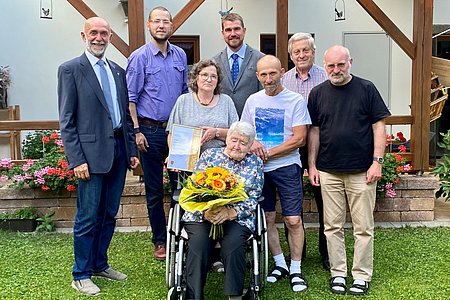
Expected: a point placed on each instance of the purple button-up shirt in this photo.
(292, 80)
(154, 81)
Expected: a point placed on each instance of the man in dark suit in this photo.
(99, 143)
(237, 62)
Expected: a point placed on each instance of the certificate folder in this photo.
(184, 147)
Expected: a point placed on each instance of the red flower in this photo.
(45, 139)
(71, 188)
(402, 148)
(61, 150)
(45, 188)
(397, 180)
(401, 137)
(54, 135)
(398, 158)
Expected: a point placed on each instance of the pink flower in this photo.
(6, 163)
(26, 167)
(30, 161)
(390, 193)
(59, 143)
(27, 176)
(388, 186)
(407, 167)
(18, 178)
(3, 178)
(39, 180)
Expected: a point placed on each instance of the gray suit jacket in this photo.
(84, 119)
(246, 83)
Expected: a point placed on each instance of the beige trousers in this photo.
(337, 190)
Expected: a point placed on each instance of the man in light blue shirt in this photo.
(245, 83)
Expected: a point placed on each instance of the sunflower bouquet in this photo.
(211, 188)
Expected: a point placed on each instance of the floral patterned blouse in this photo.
(250, 168)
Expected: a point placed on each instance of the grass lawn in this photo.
(410, 263)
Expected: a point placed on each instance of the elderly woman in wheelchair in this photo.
(238, 219)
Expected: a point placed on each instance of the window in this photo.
(191, 46)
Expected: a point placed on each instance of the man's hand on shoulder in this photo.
(82, 172)
(259, 149)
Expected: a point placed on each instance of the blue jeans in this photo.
(152, 164)
(288, 181)
(98, 201)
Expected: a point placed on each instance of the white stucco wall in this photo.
(34, 47)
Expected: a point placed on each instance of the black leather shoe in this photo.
(326, 263)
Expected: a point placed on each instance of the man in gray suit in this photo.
(237, 62)
(97, 132)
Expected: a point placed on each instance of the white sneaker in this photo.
(86, 286)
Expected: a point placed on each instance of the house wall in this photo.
(34, 47)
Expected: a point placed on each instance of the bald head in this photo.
(97, 35)
(337, 63)
(269, 73)
(268, 60)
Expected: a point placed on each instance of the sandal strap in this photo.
(282, 270)
(333, 282)
(300, 276)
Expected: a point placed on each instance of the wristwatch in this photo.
(379, 160)
(217, 133)
(136, 130)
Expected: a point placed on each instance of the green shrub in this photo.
(23, 213)
(442, 169)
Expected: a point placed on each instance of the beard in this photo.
(340, 79)
(96, 52)
(160, 39)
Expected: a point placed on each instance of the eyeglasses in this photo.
(206, 76)
(331, 67)
(164, 22)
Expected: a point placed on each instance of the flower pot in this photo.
(23, 225)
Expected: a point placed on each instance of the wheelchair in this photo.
(176, 249)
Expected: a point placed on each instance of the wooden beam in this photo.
(399, 120)
(136, 26)
(421, 84)
(28, 125)
(282, 32)
(185, 12)
(87, 13)
(389, 27)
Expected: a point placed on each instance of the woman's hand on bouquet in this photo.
(220, 214)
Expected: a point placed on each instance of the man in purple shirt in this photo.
(301, 79)
(156, 76)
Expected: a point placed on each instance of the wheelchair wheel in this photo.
(263, 247)
(173, 232)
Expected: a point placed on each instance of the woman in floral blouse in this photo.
(238, 219)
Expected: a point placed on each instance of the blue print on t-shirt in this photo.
(269, 124)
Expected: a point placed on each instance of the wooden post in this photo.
(136, 26)
(282, 32)
(420, 85)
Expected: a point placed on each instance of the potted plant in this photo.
(442, 168)
(23, 220)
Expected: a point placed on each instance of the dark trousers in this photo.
(319, 201)
(233, 248)
(152, 162)
(98, 201)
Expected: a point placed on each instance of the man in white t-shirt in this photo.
(280, 117)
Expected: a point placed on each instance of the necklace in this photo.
(205, 104)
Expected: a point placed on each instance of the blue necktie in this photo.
(235, 68)
(107, 91)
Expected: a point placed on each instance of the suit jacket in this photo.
(246, 83)
(84, 119)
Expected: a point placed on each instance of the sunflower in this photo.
(200, 178)
(217, 173)
(219, 185)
